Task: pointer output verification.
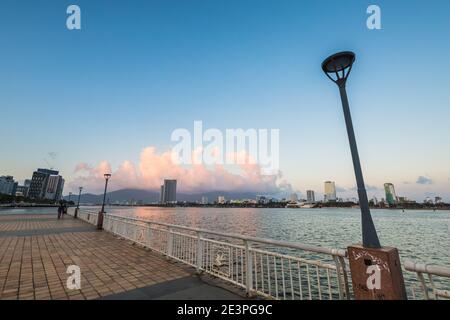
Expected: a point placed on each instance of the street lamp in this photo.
(107, 176)
(78, 204)
(102, 212)
(337, 67)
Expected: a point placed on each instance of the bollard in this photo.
(100, 220)
(376, 273)
(75, 215)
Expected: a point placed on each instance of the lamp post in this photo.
(339, 65)
(78, 204)
(107, 176)
(376, 271)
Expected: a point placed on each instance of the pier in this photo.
(36, 250)
(132, 258)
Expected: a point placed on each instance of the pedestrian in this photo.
(60, 209)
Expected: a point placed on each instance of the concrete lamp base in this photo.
(376, 273)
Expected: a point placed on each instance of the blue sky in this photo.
(140, 69)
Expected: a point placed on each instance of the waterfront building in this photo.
(330, 191)
(437, 200)
(221, 200)
(55, 185)
(310, 197)
(39, 186)
(7, 185)
(391, 196)
(204, 200)
(168, 192)
(21, 191)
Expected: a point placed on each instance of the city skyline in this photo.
(247, 65)
(386, 192)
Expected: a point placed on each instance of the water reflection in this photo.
(419, 235)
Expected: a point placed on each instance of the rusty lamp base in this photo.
(376, 273)
(100, 220)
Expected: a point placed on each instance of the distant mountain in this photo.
(149, 196)
(145, 196)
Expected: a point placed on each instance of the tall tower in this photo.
(310, 196)
(391, 196)
(169, 191)
(330, 191)
(161, 195)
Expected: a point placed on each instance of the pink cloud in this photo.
(154, 167)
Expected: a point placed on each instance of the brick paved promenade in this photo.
(35, 251)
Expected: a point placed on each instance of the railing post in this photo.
(149, 236)
(424, 285)
(169, 242)
(199, 252)
(248, 268)
(75, 215)
(341, 270)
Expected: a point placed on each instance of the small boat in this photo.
(300, 205)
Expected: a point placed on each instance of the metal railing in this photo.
(88, 215)
(430, 287)
(270, 268)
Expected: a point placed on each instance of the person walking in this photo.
(64, 209)
(60, 209)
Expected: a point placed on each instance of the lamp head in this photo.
(338, 66)
(107, 176)
(80, 188)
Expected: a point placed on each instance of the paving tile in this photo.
(35, 251)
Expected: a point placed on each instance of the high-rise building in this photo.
(40, 188)
(310, 197)
(330, 191)
(221, 199)
(55, 185)
(204, 200)
(8, 185)
(22, 191)
(168, 192)
(391, 196)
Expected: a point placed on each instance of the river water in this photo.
(420, 235)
